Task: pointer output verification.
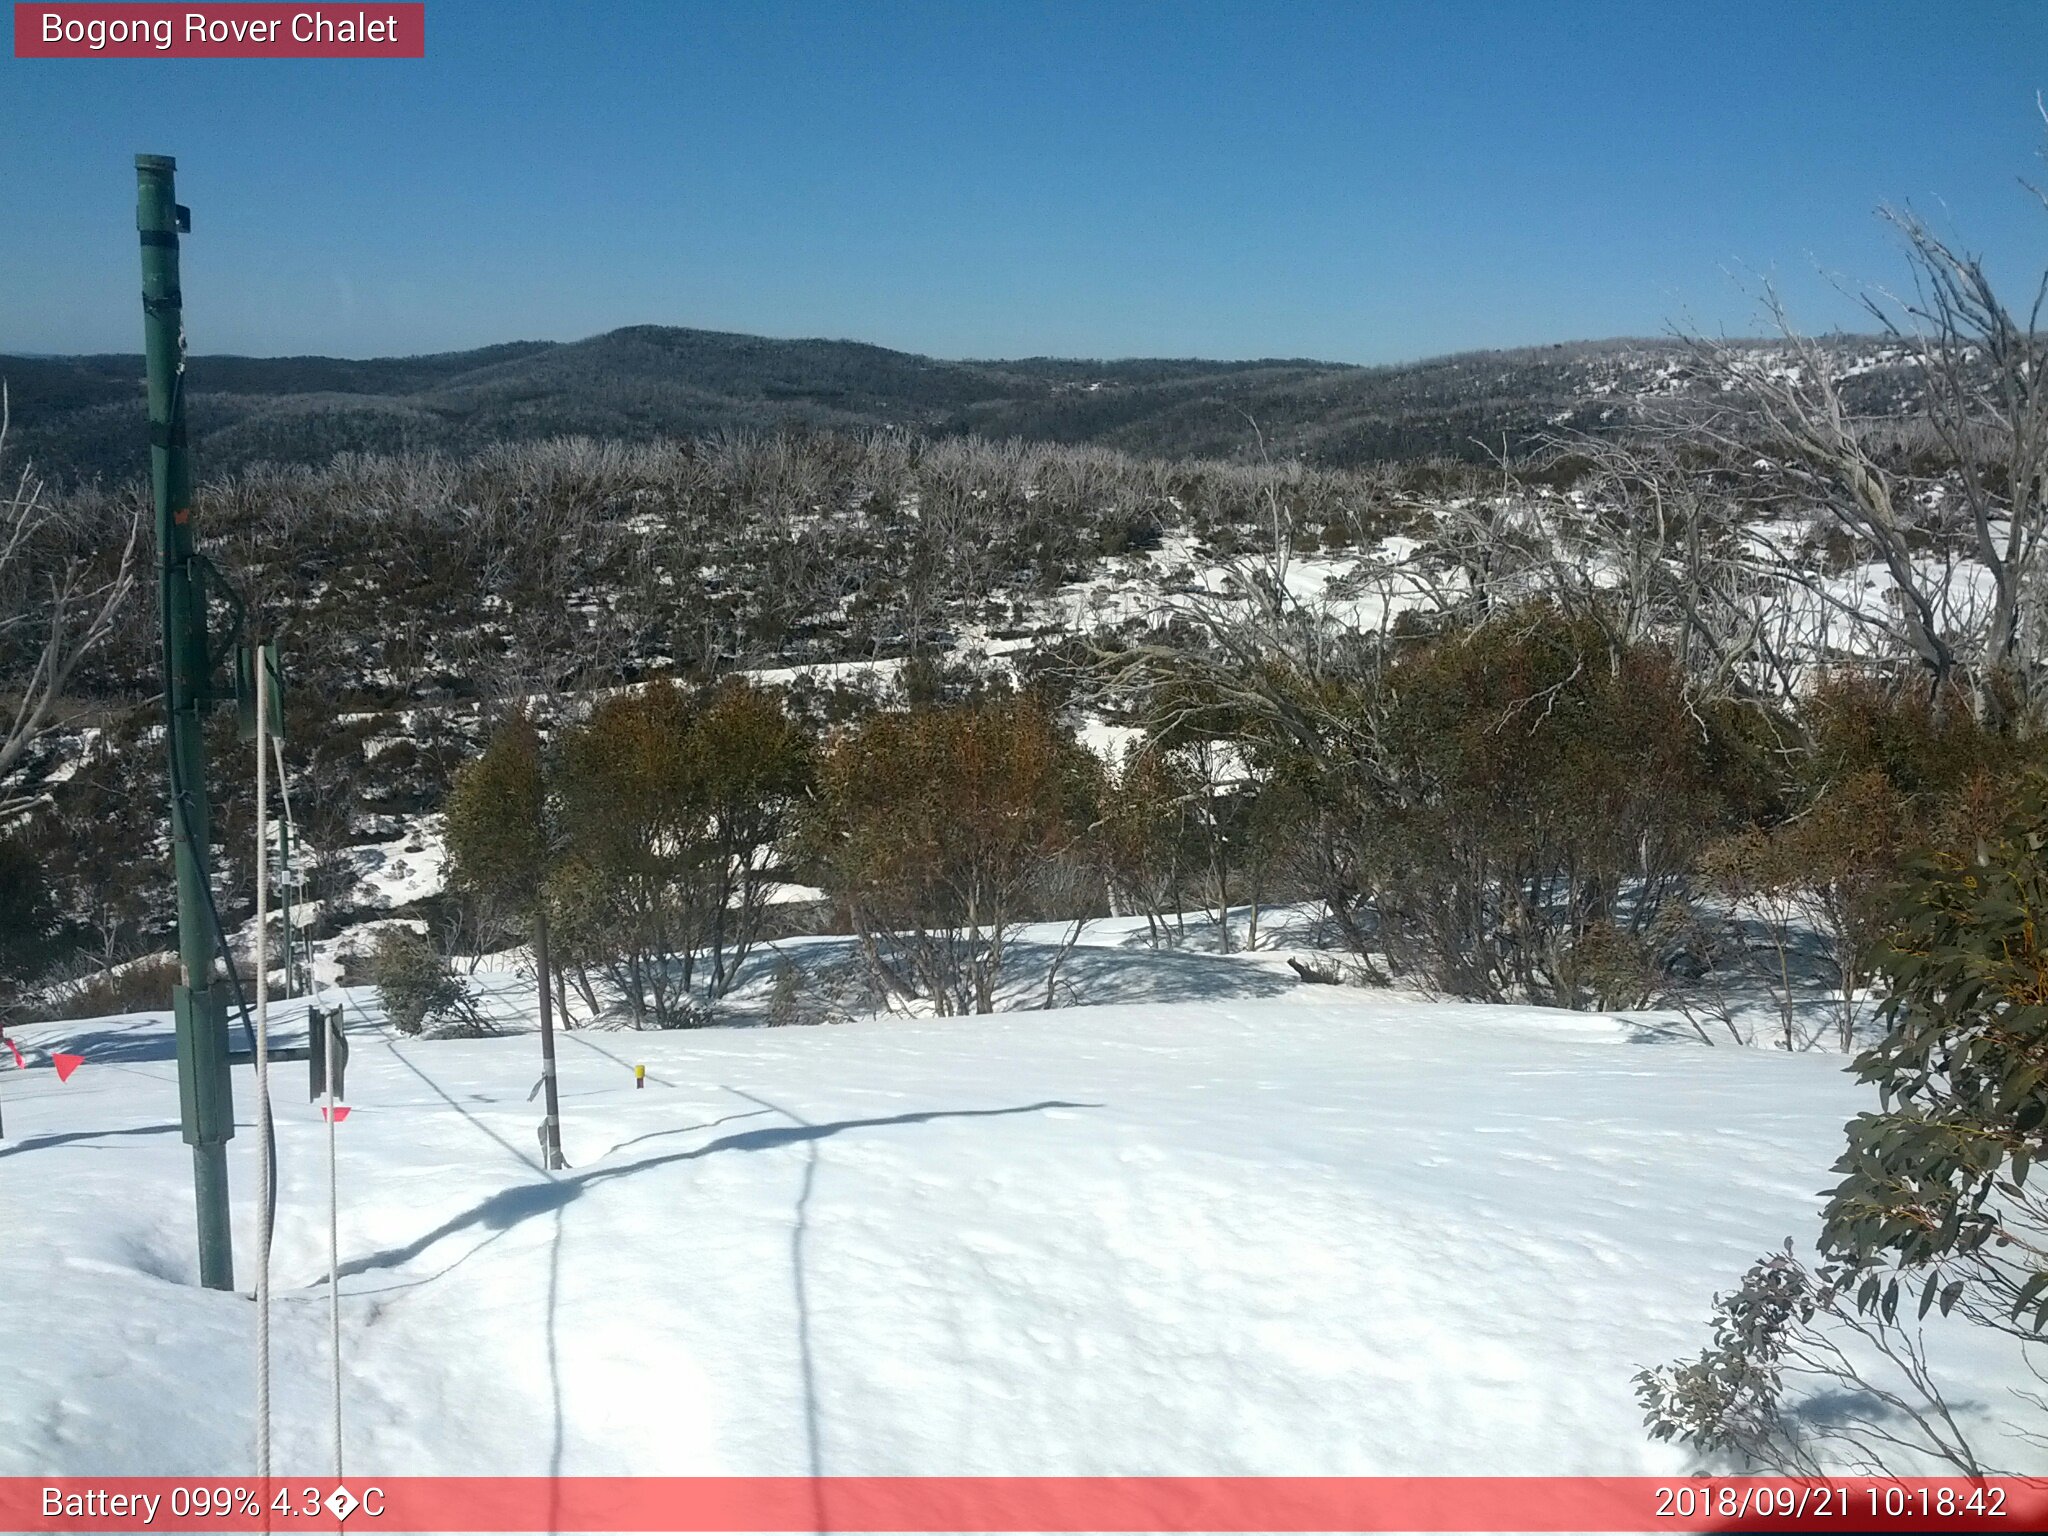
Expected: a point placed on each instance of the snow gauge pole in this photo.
(206, 1109)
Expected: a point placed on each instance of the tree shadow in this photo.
(814, 1431)
(507, 1208)
(555, 1376)
(501, 1212)
(684, 1130)
(64, 1138)
(1666, 1032)
(581, 1037)
(470, 1115)
(1142, 975)
(152, 1037)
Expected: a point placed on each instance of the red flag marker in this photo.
(340, 1113)
(17, 1054)
(66, 1064)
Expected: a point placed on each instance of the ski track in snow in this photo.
(1324, 1232)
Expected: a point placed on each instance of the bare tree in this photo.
(55, 606)
(1985, 399)
(1789, 434)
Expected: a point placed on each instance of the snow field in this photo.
(1320, 1232)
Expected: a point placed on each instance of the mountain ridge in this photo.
(80, 417)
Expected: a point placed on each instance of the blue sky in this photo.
(1363, 182)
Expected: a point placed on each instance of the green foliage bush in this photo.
(1935, 1180)
(1885, 770)
(415, 985)
(673, 804)
(935, 826)
(1535, 793)
(498, 820)
(1934, 1211)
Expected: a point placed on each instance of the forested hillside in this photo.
(82, 417)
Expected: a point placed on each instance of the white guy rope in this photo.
(263, 1077)
(326, 1053)
(327, 1034)
(326, 1048)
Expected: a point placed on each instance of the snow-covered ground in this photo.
(1260, 1228)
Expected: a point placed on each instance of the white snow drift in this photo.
(1286, 1231)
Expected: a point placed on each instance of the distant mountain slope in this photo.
(82, 416)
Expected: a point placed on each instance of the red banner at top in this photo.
(239, 31)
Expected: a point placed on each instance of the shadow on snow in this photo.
(506, 1209)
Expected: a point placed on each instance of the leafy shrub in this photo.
(673, 803)
(1933, 1211)
(1931, 751)
(1535, 793)
(1144, 835)
(1865, 1390)
(1616, 968)
(1935, 1180)
(415, 984)
(935, 828)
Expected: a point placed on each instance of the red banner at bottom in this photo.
(1018, 1504)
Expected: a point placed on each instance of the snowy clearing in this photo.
(1325, 1231)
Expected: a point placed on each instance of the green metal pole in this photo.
(205, 1105)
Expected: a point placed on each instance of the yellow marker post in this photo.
(639, 1074)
